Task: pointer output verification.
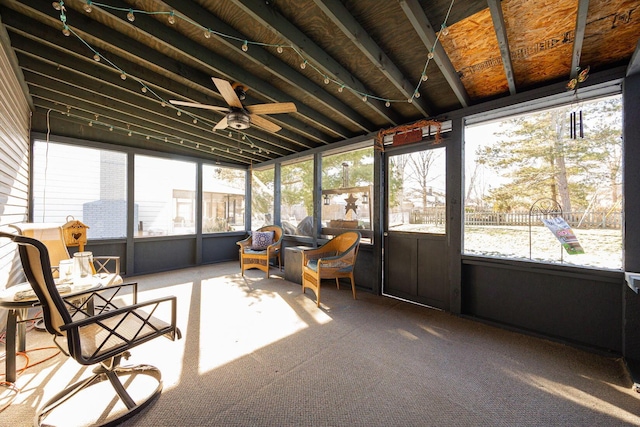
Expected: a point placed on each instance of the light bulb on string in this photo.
(340, 88)
(56, 5)
(123, 76)
(245, 46)
(326, 80)
(417, 94)
(129, 133)
(143, 89)
(279, 49)
(163, 104)
(87, 7)
(303, 65)
(445, 30)
(148, 137)
(171, 19)
(96, 57)
(387, 104)
(179, 113)
(425, 77)
(207, 33)
(195, 121)
(65, 30)
(130, 16)
(430, 55)
(364, 98)
(410, 100)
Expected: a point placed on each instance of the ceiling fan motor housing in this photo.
(238, 120)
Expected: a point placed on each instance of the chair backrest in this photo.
(51, 235)
(37, 268)
(277, 232)
(345, 244)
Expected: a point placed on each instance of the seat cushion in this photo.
(260, 240)
(342, 267)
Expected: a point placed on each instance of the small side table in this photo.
(16, 318)
(293, 263)
(18, 311)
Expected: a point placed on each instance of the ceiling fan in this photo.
(238, 116)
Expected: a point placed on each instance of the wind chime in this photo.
(576, 127)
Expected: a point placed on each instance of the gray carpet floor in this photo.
(258, 352)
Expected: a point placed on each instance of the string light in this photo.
(171, 19)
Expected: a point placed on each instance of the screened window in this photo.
(347, 192)
(262, 187)
(87, 184)
(164, 196)
(296, 210)
(416, 191)
(222, 199)
(546, 186)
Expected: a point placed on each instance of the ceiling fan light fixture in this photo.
(238, 120)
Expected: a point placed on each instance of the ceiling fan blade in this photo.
(274, 108)
(227, 92)
(222, 124)
(264, 123)
(196, 105)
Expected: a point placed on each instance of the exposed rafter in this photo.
(581, 23)
(495, 7)
(274, 64)
(272, 20)
(341, 17)
(634, 64)
(421, 25)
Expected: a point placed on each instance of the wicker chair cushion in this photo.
(260, 240)
(341, 265)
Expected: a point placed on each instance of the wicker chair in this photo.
(334, 260)
(253, 255)
(99, 329)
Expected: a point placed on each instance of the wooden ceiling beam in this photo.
(313, 53)
(422, 26)
(350, 27)
(264, 59)
(634, 63)
(112, 112)
(578, 39)
(47, 118)
(495, 7)
(104, 99)
(65, 54)
(182, 46)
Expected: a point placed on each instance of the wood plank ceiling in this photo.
(351, 67)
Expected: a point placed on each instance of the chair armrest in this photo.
(119, 311)
(313, 254)
(101, 264)
(244, 243)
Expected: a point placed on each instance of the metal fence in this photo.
(577, 219)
